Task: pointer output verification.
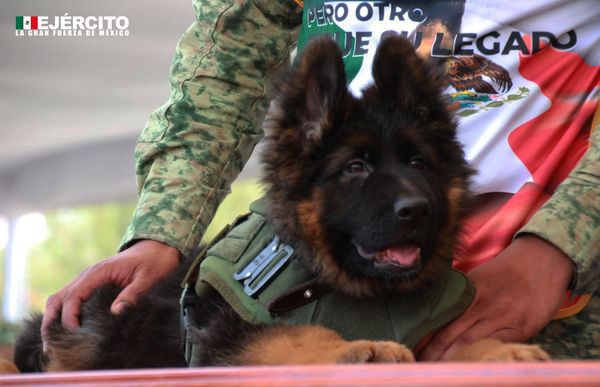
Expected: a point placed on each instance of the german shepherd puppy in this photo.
(368, 190)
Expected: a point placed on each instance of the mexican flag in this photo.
(27, 22)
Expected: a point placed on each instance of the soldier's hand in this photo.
(517, 294)
(136, 270)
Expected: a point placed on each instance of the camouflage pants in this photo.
(576, 337)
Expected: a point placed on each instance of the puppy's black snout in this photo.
(412, 208)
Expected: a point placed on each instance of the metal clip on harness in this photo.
(266, 264)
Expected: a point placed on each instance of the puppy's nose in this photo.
(412, 208)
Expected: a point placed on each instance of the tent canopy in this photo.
(72, 107)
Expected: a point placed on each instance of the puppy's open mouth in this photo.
(403, 255)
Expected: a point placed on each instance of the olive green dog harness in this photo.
(261, 279)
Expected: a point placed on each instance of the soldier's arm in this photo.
(571, 218)
(567, 226)
(194, 146)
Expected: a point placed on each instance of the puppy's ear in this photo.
(401, 77)
(320, 88)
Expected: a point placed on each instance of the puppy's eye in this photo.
(356, 167)
(417, 162)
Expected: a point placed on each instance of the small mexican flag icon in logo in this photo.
(27, 22)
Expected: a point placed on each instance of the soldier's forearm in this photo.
(571, 218)
(195, 145)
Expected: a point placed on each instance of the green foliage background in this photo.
(76, 239)
(79, 237)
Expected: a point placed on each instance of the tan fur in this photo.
(79, 357)
(429, 31)
(310, 344)
(8, 367)
(455, 196)
(496, 350)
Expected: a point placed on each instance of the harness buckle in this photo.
(250, 268)
(266, 264)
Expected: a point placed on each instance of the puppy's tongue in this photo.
(404, 255)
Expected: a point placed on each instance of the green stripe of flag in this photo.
(19, 22)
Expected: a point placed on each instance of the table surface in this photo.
(581, 373)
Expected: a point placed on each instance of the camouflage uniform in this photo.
(194, 146)
(571, 221)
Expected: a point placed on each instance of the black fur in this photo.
(117, 338)
(28, 355)
(144, 336)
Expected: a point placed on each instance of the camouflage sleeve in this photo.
(571, 218)
(195, 145)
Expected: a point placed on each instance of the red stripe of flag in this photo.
(34, 24)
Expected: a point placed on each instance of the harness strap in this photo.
(187, 302)
(298, 296)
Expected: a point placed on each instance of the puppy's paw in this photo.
(515, 352)
(363, 351)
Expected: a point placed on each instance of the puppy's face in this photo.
(382, 197)
(370, 187)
